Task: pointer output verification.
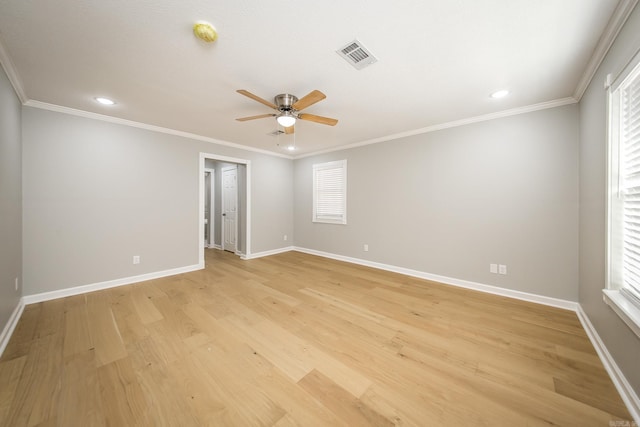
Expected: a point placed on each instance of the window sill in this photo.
(624, 308)
(328, 221)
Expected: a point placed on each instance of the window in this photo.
(330, 192)
(623, 287)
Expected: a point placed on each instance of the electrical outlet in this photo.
(285, 237)
(16, 283)
(493, 268)
(366, 248)
(136, 259)
(502, 269)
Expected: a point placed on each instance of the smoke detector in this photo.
(205, 31)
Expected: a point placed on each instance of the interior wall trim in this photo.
(627, 393)
(524, 296)
(12, 74)
(140, 125)
(617, 21)
(268, 253)
(456, 123)
(76, 290)
(11, 325)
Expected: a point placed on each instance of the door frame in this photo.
(246, 238)
(223, 208)
(212, 206)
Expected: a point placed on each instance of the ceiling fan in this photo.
(288, 109)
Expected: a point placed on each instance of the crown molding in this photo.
(153, 128)
(448, 125)
(12, 74)
(16, 82)
(615, 24)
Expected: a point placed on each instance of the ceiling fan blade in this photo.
(261, 116)
(318, 119)
(257, 98)
(309, 99)
(289, 130)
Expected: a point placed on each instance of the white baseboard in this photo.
(267, 253)
(627, 393)
(539, 299)
(76, 290)
(11, 325)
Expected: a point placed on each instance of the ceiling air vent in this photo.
(357, 55)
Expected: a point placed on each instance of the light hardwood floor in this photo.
(298, 340)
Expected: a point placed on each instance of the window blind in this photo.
(329, 192)
(630, 179)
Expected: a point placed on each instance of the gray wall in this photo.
(623, 345)
(451, 202)
(97, 193)
(10, 199)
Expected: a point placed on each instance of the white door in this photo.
(229, 208)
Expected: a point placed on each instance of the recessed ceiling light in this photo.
(500, 94)
(104, 101)
(291, 148)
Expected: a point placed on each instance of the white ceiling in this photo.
(438, 61)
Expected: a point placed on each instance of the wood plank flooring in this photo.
(298, 340)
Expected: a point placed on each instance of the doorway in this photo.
(225, 205)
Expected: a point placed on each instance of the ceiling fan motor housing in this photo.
(285, 102)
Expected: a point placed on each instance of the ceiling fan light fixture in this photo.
(286, 119)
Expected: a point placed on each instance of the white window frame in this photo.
(336, 217)
(622, 298)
